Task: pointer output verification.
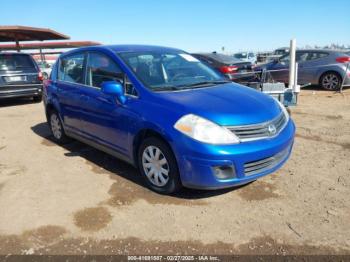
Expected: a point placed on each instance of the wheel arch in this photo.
(327, 72)
(49, 107)
(142, 135)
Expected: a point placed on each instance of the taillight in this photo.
(40, 76)
(343, 59)
(228, 69)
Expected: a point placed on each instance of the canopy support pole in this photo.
(42, 57)
(17, 45)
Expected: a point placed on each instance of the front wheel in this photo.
(331, 81)
(158, 166)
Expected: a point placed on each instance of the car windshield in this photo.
(162, 71)
(15, 61)
(240, 55)
(280, 52)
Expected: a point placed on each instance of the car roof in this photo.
(124, 48)
(140, 48)
(281, 48)
(244, 52)
(319, 50)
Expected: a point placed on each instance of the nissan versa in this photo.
(162, 110)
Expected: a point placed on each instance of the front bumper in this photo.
(196, 160)
(21, 91)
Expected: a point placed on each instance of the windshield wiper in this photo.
(194, 85)
(165, 88)
(206, 83)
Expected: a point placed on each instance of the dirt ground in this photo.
(77, 200)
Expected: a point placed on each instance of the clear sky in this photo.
(193, 25)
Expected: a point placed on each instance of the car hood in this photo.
(226, 104)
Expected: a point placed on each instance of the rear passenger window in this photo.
(101, 68)
(301, 56)
(71, 69)
(317, 55)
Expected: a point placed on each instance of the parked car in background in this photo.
(19, 76)
(162, 110)
(281, 51)
(262, 56)
(265, 57)
(277, 53)
(325, 68)
(45, 69)
(246, 56)
(233, 68)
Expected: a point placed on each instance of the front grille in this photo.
(259, 166)
(260, 131)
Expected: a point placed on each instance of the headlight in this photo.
(284, 110)
(204, 130)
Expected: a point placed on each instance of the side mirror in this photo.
(115, 89)
(276, 60)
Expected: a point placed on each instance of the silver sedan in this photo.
(329, 69)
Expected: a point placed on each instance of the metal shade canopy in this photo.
(46, 45)
(25, 33)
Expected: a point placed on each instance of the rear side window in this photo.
(71, 69)
(15, 62)
(301, 56)
(100, 68)
(317, 55)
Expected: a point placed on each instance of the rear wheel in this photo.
(330, 81)
(158, 166)
(56, 128)
(37, 99)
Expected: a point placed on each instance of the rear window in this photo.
(15, 62)
(225, 59)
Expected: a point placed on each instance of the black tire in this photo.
(331, 81)
(37, 99)
(173, 183)
(55, 124)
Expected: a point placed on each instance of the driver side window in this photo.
(100, 68)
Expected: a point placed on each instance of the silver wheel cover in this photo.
(56, 126)
(155, 166)
(330, 81)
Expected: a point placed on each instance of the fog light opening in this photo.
(224, 172)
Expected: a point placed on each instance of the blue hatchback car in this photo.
(162, 110)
